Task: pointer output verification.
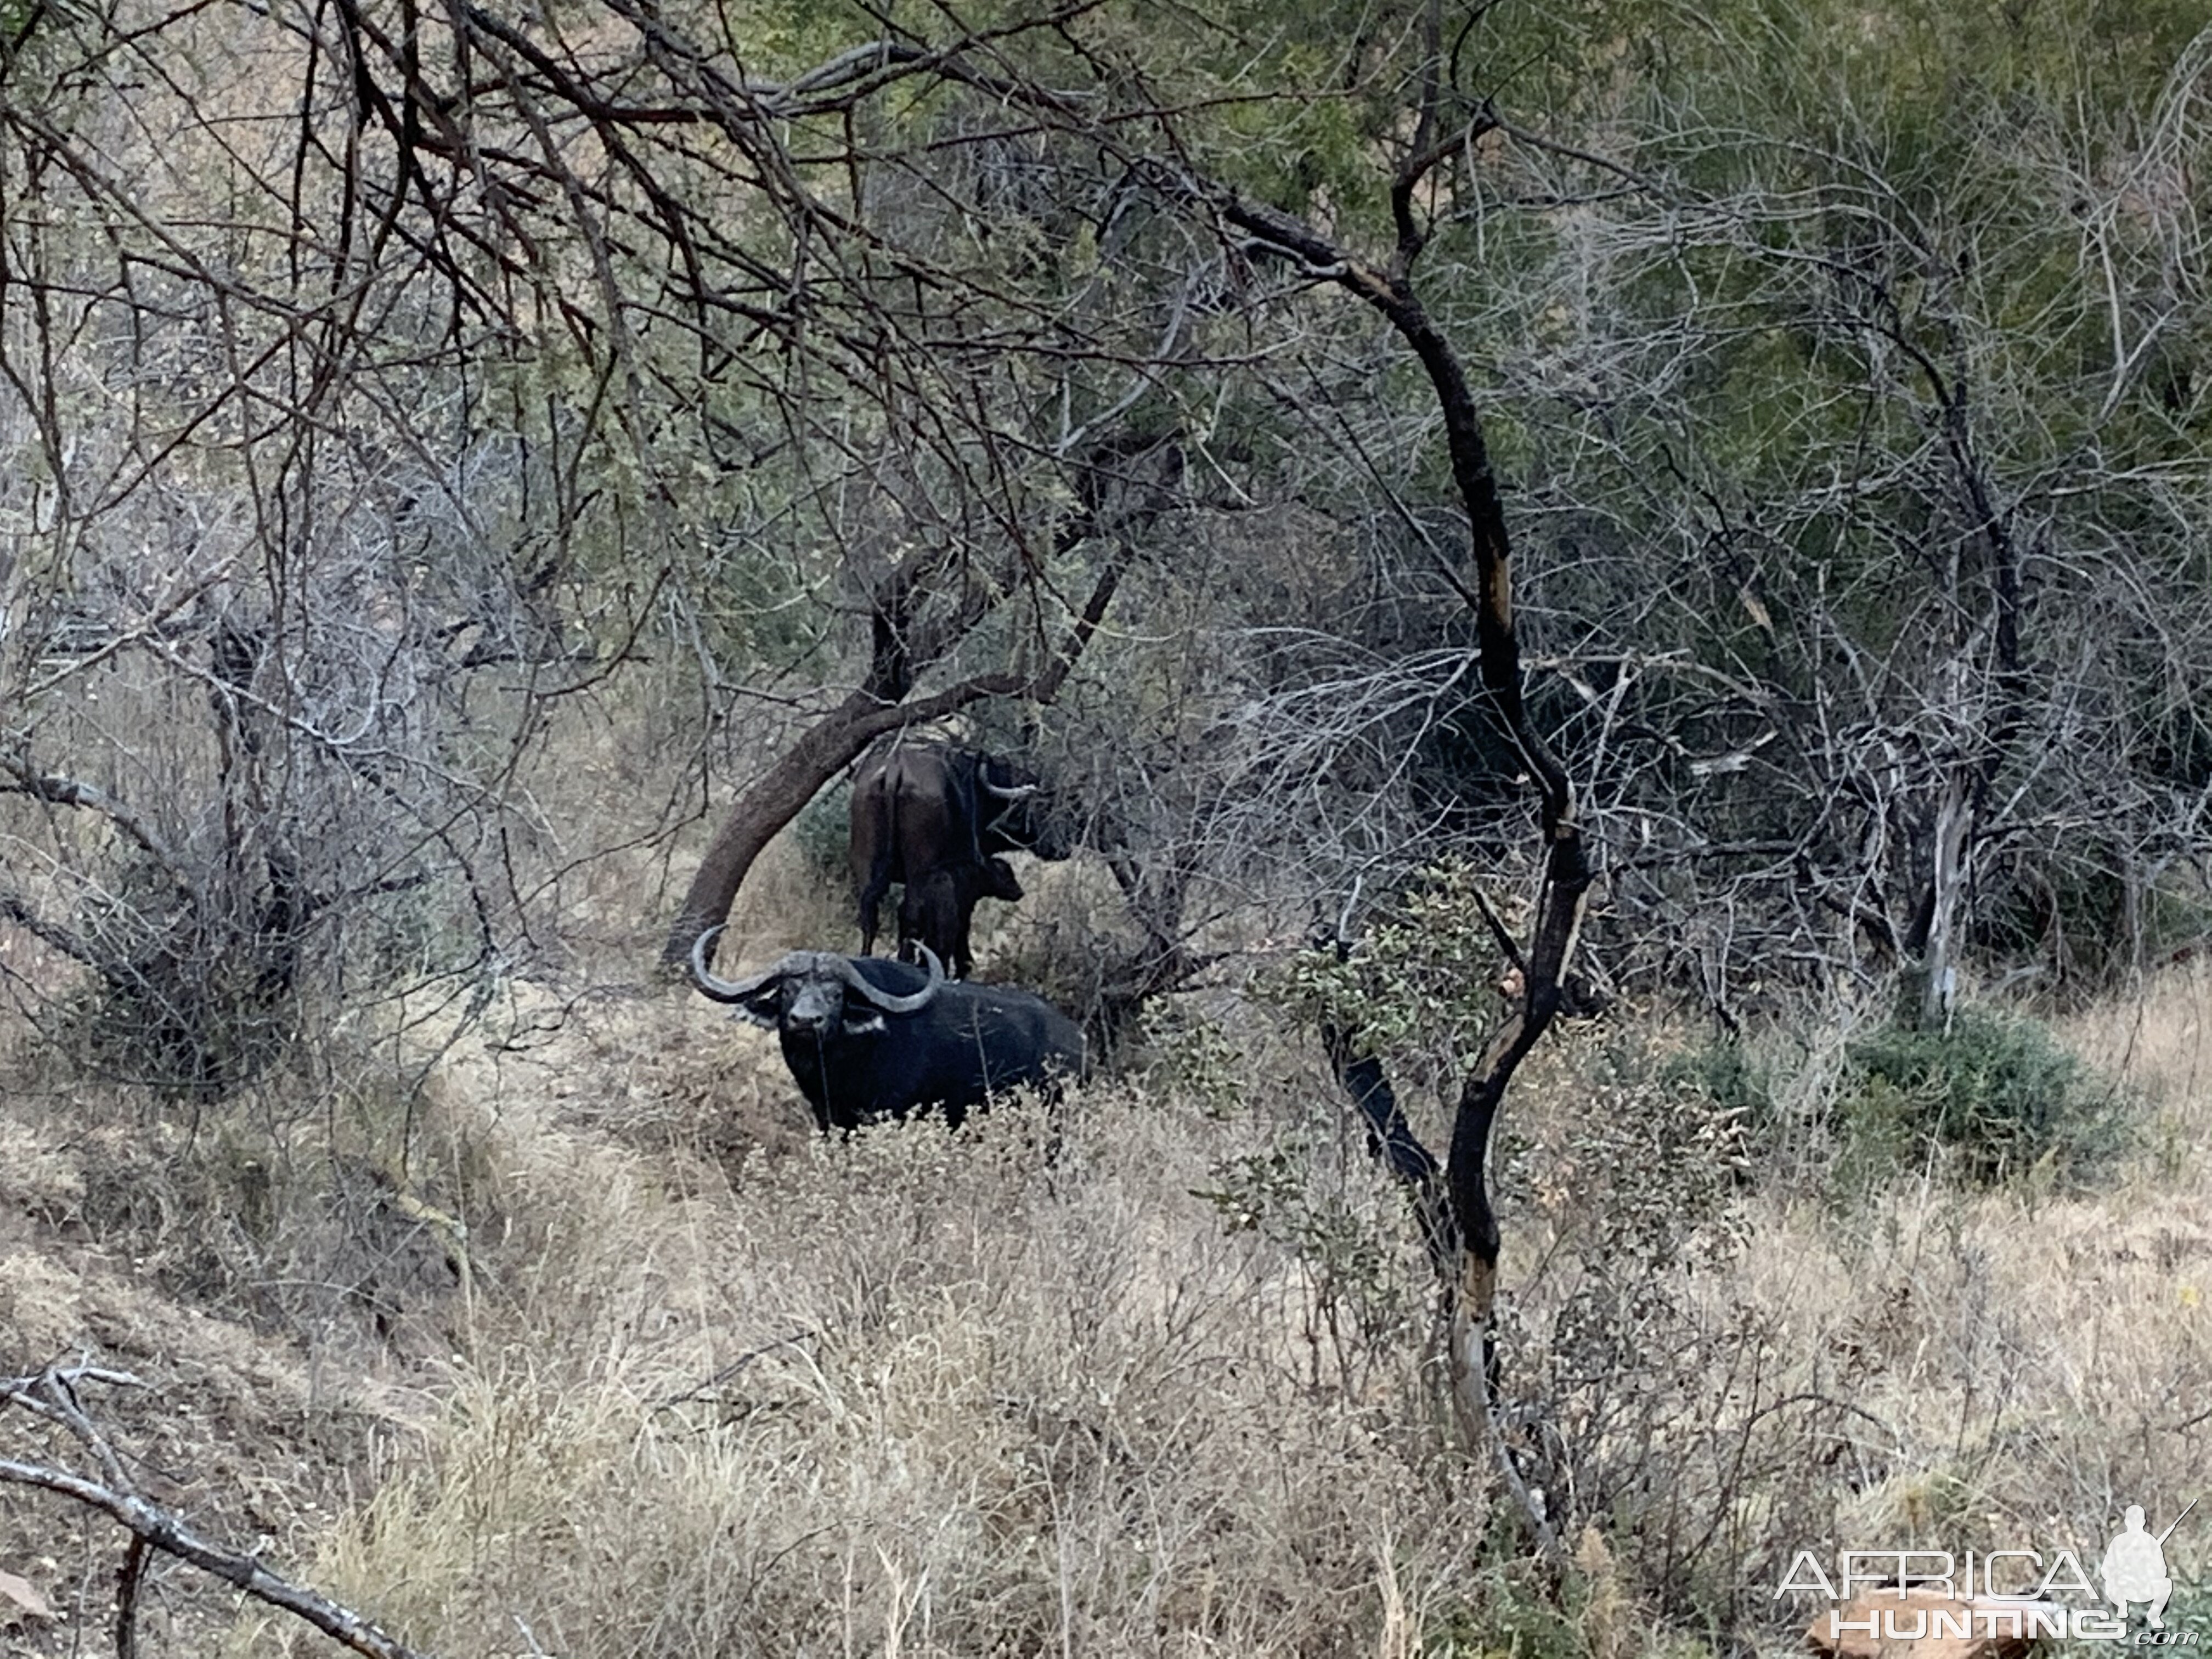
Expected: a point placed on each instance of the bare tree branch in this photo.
(154, 1526)
(52, 1394)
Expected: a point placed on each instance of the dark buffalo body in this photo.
(938, 908)
(867, 1038)
(922, 807)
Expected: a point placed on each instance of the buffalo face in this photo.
(1021, 813)
(811, 993)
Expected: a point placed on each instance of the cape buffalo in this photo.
(938, 909)
(923, 806)
(867, 1037)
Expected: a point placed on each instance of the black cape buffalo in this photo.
(939, 907)
(867, 1037)
(923, 806)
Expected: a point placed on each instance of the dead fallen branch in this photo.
(51, 1394)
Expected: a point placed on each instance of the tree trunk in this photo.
(1390, 292)
(797, 777)
(1947, 885)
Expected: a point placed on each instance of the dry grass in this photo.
(2161, 1044)
(973, 1410)
(908, 1395)
(713, 1386)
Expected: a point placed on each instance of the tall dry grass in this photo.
(920, 1394)
(707, 1384)
(917, 1394)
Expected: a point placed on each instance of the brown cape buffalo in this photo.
(922, 807)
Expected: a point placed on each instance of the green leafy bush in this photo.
(1190, 1057)
(1423, 984)
(1730, 1075)
(1995, 1093)
(823, 830)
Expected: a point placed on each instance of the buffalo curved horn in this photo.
(726, 990)
(884, 999)
(1011, 791)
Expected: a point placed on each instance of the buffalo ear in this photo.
(1002, 882)
(861, 1024)
(764, 1008)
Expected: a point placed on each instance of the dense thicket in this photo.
(473, 476)
(382, 378)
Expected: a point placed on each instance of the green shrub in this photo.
(1730, 1075)
(824, 831)
(2190, 1613)
(1189, 1057)
(1995, 1093)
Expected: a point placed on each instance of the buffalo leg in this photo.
(879, 883)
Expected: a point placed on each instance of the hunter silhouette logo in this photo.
(2135, 1566)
